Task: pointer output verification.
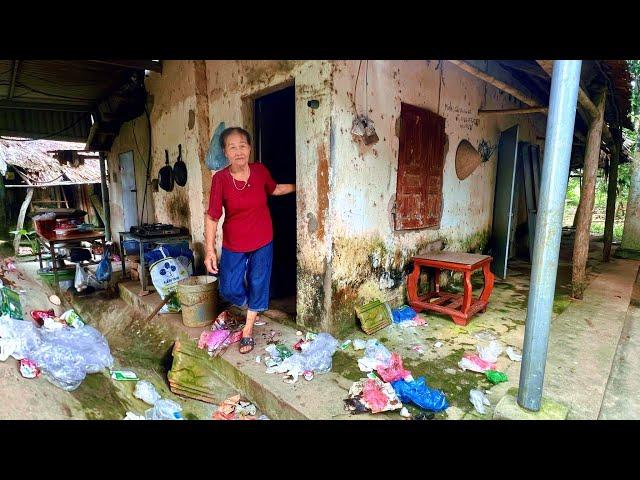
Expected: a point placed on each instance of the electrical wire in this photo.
(355, 89)
(35, 90)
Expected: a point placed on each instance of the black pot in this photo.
(165, 175)
(180, 169)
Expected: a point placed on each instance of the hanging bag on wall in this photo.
(215, 159)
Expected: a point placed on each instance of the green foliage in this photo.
(29, 235)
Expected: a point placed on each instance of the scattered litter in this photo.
(418, 348)
(55, 300)
(72, 319)
(317, 358)
(403, 314)
(263, 417)
(495, 376)
(299, 333)
(345, 344)
(475, 363)
(513, 355)
(479, 400)
(374, 395)
(123, 375)
(484, 335)
(10, 303)
(374, 316)
(359, 344)
(146, 392)
(164, 409)
(450, 371)
(394, 371)
(298, 345)
(438, 344)
(372, 375)
(214, 340)
(133, 416)
(491, 352)
(405, 413)
(308, 375)
(234, 409)
(419, 393)
(7, 347)
(29, 369)
(284, 351)
(10, 266)
(40, 315)
(258, 359)
(52, 324)
(260, 323)
(309, 336)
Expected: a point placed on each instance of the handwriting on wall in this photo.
(463, 116)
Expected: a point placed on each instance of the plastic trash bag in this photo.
(104, 270)
(67, 355)
(316, 358)
(420, 394)
(491, 352)
(146, 392)
(216, 159)
(81, 280)
(376, 351)
(403, 314)
(479, 400)
(372, 394)
(513, 355)
(475, 363)
(164, 409)
(394, 371)
(496, 377)
(165, 275)
(24, 336)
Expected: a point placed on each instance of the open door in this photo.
(275, 147)
(129, 191)
(503, 205)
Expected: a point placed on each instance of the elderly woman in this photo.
(247, 233)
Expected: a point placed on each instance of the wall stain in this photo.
(322, 177)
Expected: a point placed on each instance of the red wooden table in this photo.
(461, 307)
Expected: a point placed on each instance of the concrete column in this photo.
(553, 189)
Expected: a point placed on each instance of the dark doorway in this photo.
(275, 147)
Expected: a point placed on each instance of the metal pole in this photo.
(105, 197)
(565, 82)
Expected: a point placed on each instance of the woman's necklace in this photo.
(245, 185)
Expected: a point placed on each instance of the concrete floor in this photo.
(591, 367)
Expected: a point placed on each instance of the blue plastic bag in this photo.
(215, 159)
(104, 270)
(403, 314)
(419, 393)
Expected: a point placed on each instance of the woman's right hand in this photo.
(211, 262)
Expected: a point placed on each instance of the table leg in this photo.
(143, 273)
(123, 256)
(436, 276)
(488, 283)
(39, 253)
(412, 283)
(468, 293)
(54, 262)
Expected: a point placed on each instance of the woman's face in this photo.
(237, 149)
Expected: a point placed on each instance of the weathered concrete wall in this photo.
(139, 145)
(232, 88)
(173, 120)
(369, 256)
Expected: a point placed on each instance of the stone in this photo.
(508, 409)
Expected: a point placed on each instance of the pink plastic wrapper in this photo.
(471, 361)
(394, 371)
(211, 340)
(29, 369)
(374, 397)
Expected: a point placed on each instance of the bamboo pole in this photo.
(499, 84)
(513, 111)
(585, 207)
(21, 215)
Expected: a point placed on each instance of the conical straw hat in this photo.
(467, 159)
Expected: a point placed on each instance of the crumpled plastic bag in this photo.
(376, 351)
(475, 363)
(372, 394)
(403, 314)
(317, 358)
(496, 377)
(513, 355)
(146, 392)
(490, 353)
(67, 355)
(394, 371)
(25, 335)
(164, 409)
(479, 400)
(419, 393)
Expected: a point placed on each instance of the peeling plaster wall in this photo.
(173, 122)
(369, 256)
(233, 85)
(124, 142)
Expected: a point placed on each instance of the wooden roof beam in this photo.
(583, 99)
(14, 75)
(138, 64)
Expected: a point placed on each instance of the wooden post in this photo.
(612, 195)
(585, 208)
(23, 212)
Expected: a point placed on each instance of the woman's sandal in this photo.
(247, 342)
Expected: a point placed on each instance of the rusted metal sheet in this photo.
(420, 169)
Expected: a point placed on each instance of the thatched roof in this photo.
(35, 160)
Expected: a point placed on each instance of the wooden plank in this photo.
(513, 111)
(462, 258)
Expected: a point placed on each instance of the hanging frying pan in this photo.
(180, 169)
(165, 175)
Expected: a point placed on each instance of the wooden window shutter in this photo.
(420, 169)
